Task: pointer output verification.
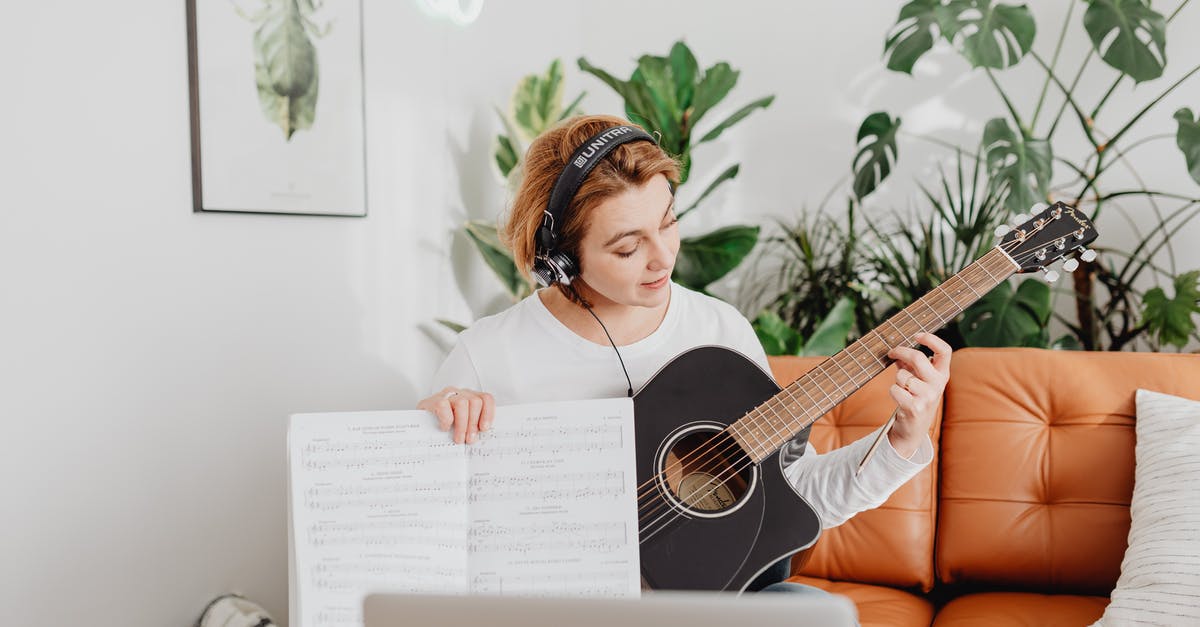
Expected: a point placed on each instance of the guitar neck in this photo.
(772, 424)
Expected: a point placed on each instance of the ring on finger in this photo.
(450, 394)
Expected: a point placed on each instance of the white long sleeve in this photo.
(525, 355)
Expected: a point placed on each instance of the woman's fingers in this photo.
(474, 409)
(934, 372)
(462, 417)
(489, 412)
(464, 412)
(941, 351)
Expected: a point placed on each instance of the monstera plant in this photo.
(1019, 156)
(670, 96)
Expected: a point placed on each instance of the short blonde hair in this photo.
(632, 164)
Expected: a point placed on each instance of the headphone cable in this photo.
(588, 307)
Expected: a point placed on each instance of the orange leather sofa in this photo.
(1022, 517)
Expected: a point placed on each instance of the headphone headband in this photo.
(581, 163)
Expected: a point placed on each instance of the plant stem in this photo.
(1066, 100)
(1100, 166)
(1011, 109)
(1083, 119)
(1062, 35)
(1147, 192)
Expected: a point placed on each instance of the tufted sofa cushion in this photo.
(893, 544)
(878, 606)
(1037, 464)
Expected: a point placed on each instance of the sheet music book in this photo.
(543, 504)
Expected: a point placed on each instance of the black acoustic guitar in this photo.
(714, 508)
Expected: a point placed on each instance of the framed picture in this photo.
(277, 112)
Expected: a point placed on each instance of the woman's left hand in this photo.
(917, 391)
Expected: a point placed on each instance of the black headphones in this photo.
(551, 265)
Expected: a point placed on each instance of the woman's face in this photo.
(628, 250)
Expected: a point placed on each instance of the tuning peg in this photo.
(1071, 264)
(1088, 255)
(1019, 219)
(1002, 230)
(1050, 275)
(1038, 208)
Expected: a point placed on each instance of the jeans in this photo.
(772, 580)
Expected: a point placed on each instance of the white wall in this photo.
(149, 355)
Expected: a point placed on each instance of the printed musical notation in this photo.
(606, 583)
(543, 504)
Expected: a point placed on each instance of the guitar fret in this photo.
(937, 317)
(743, 434)
(795, 407)
(769, 423)
(849, 379)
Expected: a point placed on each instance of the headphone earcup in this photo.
(556, 267)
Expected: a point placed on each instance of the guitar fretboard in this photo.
(772, 424)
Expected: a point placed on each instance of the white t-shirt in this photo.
(525, 355)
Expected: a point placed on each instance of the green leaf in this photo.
(683, 71)
(506, 155)
(729, 173)
(652, 75)
(986, 35)
(876, 154)
(536, 101)
(1024, 163)
(1007, 318)
(1066, 343)
(1129, 35)
(776, 337)
(640, 106)
(738, 116)
(913, 34)
(1188, 140)
(496, 256)
(990, 36)
(453, 326)
(705, 259)
(830, 335)
(1170, 319)
(717, 82)
(285, 70)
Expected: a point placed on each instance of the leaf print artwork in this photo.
(285, 62)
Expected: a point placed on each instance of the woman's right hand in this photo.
(467, 411)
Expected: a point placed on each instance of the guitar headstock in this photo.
(1052, 234)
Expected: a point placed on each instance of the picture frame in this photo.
(277, 106)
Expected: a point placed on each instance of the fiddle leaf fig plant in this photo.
(669, 96)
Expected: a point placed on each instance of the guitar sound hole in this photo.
(707, 471)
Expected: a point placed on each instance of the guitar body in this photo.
(714, 508)
(722, 536)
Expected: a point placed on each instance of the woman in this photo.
(604, 232)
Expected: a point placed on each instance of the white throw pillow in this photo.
(1160, 575)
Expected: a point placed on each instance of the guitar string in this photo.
(654, 480)
(716, 485)
(709, 460)
(681, 461)
(737, 470)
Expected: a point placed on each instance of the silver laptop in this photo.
(658, 609)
